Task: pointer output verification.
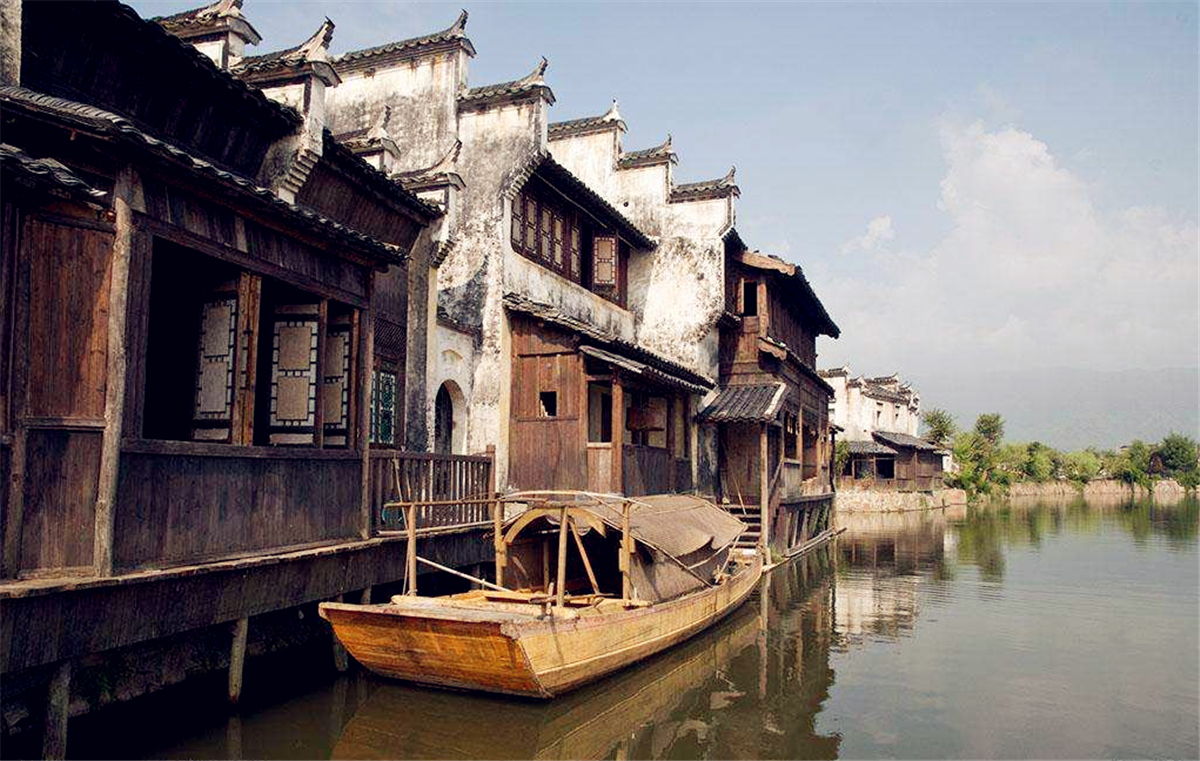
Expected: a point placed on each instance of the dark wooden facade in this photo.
(773, 454)
(583, 417)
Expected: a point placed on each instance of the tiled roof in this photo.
(313, 50)
(349, 161)
(572, 127)
(205, 16)
(456, 31)
(868, 447)
(103, 123)
(904, 440)
(659, 154)
(46, 173)
(723, 187)
(531, 82)
(744, 404)
(643, 370)
(517, 303)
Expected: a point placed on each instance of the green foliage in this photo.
(939, 426)
(1081, 466)
(991, 427)
(1039, 462)
(841, 455)
(1178, 455)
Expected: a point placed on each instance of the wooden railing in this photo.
(460, 485)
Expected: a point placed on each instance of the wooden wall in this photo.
(60, 349)
(646, 470)
(546, 452)
(740, 444)
(178, 507)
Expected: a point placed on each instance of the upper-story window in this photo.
(749, 298)
(554, 235)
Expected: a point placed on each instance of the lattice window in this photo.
(576, 271)
(335, 389)
(383, 407)
(518, 221)
(293, 406)
(531, 218)
(604, 261)
(558, 242)
(545, 247)
(213, 406)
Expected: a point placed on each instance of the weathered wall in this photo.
(421, 92)
(867, 500)
(453, 361)
(10, 42)
(1166, 489)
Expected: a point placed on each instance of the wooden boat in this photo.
(667, 571)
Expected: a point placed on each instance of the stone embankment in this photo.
(876, 501)
(1167, 489)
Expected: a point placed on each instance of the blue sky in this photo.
(1009, 183)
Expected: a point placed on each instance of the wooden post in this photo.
(764, 493)
(498, 539)
(237, 659)
(362, 391)
(671, 480)
(341, 659)
(626, 553)
(58, 710)
(233, 738)
(618, 435)
(249, 298)
(114, 393)
(562, 558)
(322, 340)
(364, 597)
(410, 521)
(587, 563)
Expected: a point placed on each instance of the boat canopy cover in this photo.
(677, 524)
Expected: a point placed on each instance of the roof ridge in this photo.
(456, 31)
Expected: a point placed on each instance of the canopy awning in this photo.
(745, 404)
(642, 370)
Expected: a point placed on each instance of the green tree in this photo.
(991, 427)
(939, 426)
(1081, 466)
(841, 456)
(1039, 463)
(1178, 453)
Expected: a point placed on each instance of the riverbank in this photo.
(1164, 490)
(879, 501)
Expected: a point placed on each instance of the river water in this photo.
(1014, 630)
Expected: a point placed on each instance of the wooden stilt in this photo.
(233, 738)
(764, 493)
(498, 539)
(237, 659)
(341, 659)
(58, 710)
(562, 557)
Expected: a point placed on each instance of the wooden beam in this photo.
(562, 557)
(57, 712)
(587, 564)
(618, 435)
(764, 490)
(249, 298)
(114, 394)
(237, 658)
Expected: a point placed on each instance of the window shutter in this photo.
(576, 272)
(604, 258)
(335, 389)
(531, 216)
(518, 220)
(558, 242)
(544, 251)
(292, 417)
(212, 416)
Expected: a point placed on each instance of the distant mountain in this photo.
(1069, 408)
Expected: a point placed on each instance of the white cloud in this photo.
(1030, 274)
(879, 231)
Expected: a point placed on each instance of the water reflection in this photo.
(1017, 629)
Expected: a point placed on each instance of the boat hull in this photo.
(518, 654)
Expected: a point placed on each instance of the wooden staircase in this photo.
(751, 516)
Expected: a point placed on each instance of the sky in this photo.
(1007, 185)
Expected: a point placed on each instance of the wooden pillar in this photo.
(114, 393)
(237, 659)
(764, 491)
(410, 524)
(671, 402)
(341, 659)
(626, 554)
(366, 363)
(233, 738)
(618, 435)
(58, 711)
(561, 580)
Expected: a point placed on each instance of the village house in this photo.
(748, 319)
(537, 351)
(879, 419)
(198, 284)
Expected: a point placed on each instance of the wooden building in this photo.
(775, 443)
(197, 284)
(893, 461)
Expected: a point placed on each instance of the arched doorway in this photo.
(449, 432)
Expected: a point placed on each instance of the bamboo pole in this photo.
(626, 552)
(587, 564)
(498, 540)
(466, 576)
(562, 557)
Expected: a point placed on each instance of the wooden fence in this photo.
(398, 476)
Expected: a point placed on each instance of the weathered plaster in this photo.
(452, 360)
(10, 42)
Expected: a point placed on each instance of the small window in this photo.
(518, 221)
(558, 242)
(383, 407)
(531, 216)
(749, 298)
(549, 403)
(576, 272)
(544, 251)
(604, 269)
(790, 434)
